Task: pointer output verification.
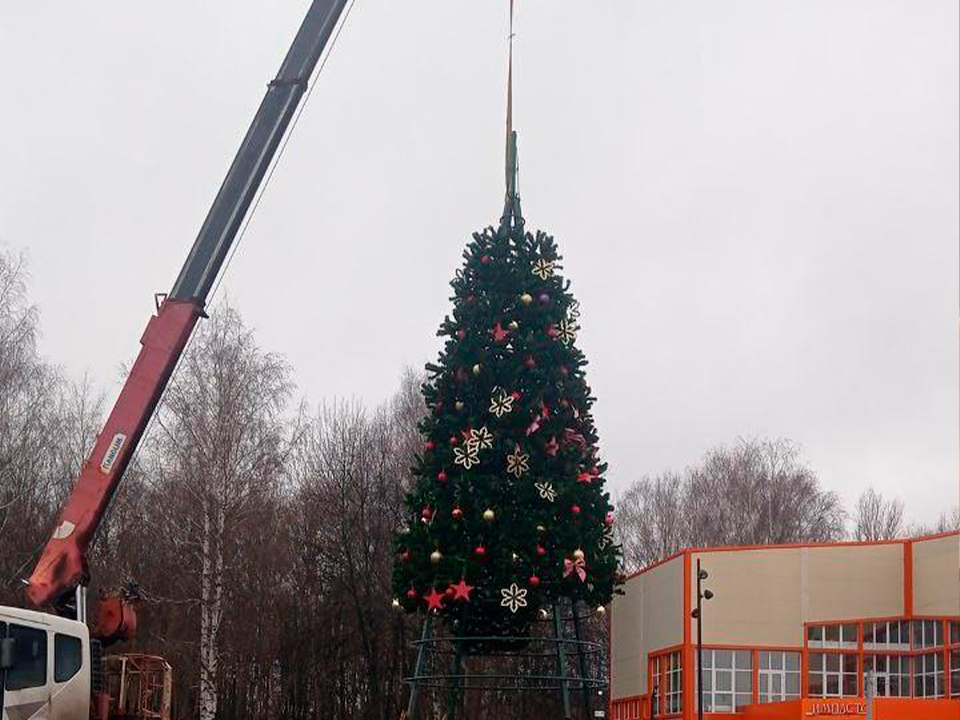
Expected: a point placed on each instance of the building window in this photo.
(927, 633)
(892, 635)
(955, 673)
(655, 696)
(954, 632)
(727, 680)
(832, 675)
(779, 676)
(891, 674)
(667, 696)
(674, 672)
(833, 636)
(928, 675)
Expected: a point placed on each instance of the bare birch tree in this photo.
(755, 492)
(219, 451)
(876, 518)
(29, 390)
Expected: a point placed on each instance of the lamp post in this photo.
(698, 614)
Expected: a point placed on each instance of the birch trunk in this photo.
(211, 609)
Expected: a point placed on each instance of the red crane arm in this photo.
(63, 563)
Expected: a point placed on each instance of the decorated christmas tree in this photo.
(508, 513)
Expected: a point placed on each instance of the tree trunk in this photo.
(211, 609)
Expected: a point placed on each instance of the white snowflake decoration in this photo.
(513, 597)
(568, 332)
(543, 269)
(468, 456)
(607, 538)
(574, 311)
(546, 491)
(502, 405)
(517, 463)
(482, 438)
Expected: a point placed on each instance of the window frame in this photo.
(765, 676)
(58, 638)
(734, 670)
(920, 673)
(904, 676)
(666, 683)
(841, 674)
(924, 627)
(834, 635)
(41, 633)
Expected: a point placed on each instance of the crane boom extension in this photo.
(63, 564)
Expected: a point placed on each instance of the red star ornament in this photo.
(585, 478)
(552, 447)
(499, 334)
(434, 600)
(462, 590)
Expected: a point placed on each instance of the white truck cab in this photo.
(45, 666)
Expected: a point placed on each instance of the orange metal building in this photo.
(793, 632)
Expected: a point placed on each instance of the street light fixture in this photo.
(698, 615)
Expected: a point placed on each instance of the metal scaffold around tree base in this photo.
(555, 669)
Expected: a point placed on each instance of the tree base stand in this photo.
(556, 672)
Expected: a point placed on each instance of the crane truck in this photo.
(50, 657)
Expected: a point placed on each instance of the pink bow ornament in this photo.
(575, 566)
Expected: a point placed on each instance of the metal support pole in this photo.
(699, 646)
(456, 687)
(418, 667)
(561, 665)
(582, 659)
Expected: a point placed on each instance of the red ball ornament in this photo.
(609, 519)
(461, 335)
(530, 363)
(405, 556)
(457, 513)
(427, 513)
(471, 300)
(552, 332)
(544, 299)
(533, 581)
(480, 551)
(541, 551)
(454, 441)
(564, 370)
(442, 476)
(412, 594)
(575, 509)
(430, 446)
(485, 260)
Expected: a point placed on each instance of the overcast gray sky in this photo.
(757, 202)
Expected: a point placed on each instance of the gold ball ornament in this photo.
(435, 557)
(477, 369)
(578, 554)
(489, 515)
(396, 604)
(514, 325)
(526, 298)
(601, 611)
(459, 405)
(514, 557)
(541, 529)
(544, 614)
